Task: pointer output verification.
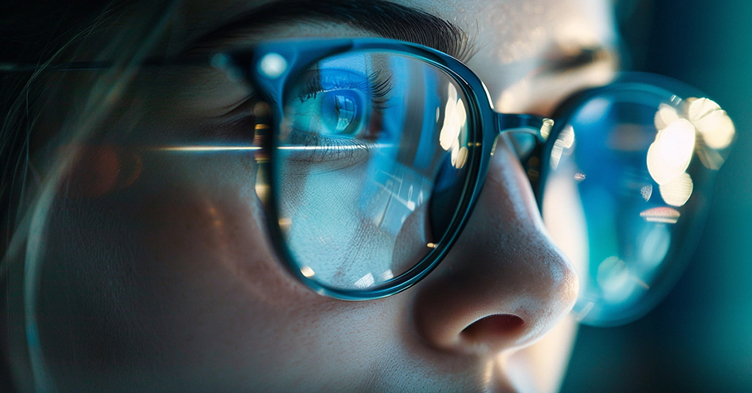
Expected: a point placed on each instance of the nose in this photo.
(504, 284)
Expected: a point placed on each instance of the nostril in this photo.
(493, 328)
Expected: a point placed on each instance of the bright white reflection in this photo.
(564, 141)
(455, 116)
(459, 157)
(272, 65)
(712, 122)
(665, 215)
(670, 154)
(545, 131)
(307, 271)
(677, 191)
(646, 192)
(666, 115)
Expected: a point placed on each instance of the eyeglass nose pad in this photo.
(535, 131)
(538, 126)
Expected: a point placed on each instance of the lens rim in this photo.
(679, 254)
(300, 56)
(484, 125)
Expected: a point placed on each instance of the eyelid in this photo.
(581, 57)
(377, 85)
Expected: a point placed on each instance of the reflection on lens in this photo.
(668, 157)
(610, 155)
(563, 143)
(712, 122)
(677, 191)
(371, 157)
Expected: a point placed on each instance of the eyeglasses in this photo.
(371, 154)
(376, 152)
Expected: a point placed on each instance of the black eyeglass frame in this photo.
(300, 55)
(242, 65)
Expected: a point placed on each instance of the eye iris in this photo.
(339, 112)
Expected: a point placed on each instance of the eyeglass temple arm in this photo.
(10, 67)
(538, 126)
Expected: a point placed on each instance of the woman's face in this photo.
(171, 283)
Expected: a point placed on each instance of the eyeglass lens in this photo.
(623, 192)
(372, 155)
(373, 161)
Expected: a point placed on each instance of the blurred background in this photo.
(699, 339)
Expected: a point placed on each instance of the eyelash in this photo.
(377, 87)
(339, 150)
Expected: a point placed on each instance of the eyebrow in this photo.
(383, 18)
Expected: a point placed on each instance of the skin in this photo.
(171, 283)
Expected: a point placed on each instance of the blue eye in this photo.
(341, 112)
(335, 115)
(333, 103)
(338, 104)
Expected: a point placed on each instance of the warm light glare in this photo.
(307, 271)
(664, 215)
(545, 131)
(455, 116)
(459, 157)
(677, 192)
(712, 122)
(564, 141)
(262, 191)
(285, 223)
(670, 154)
(450, 131)
(666, 115)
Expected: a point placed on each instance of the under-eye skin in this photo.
(315, 149)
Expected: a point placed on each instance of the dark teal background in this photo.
(699, 339)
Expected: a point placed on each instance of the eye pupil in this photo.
(345, 111)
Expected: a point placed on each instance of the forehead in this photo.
(512, 30)
(510, 41)
(507, 30)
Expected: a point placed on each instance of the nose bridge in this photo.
(504, 284)
(532, 124)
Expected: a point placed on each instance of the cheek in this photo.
(173, 272)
